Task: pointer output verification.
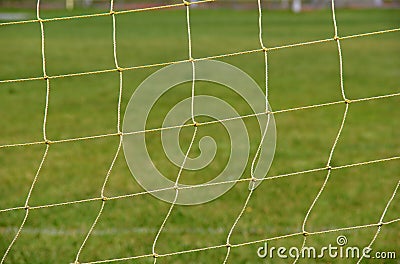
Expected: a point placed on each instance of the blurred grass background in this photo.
(86, 105)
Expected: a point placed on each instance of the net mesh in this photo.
(263, 49)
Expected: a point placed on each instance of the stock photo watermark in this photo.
(339, 249)
(138, 154)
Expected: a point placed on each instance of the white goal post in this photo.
(69, 4)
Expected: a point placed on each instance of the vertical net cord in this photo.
(176, 186)
(27, 209)
(189, 36)
(337, 39)
(35, 178)
(46, 78)
(347, 102)
(103, 197)
(381, 220)
(253, 179)
(119, 69)
(103, 201)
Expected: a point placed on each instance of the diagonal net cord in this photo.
(103, 202)
(253, 179)
(175, 253)
(293, 45)
(47, 142)
(347, 102)
(152, 8)
(380, 224)
(65, 140)
(176, 186)
(27, 209)
(130, 195)
(103, 197)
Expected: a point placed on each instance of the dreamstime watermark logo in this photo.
(339, 250)
(154, 88)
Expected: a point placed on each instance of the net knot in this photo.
(228, 245)
(45, 77)
(265, 49)
(155, 255)
(195, 124)
(112, 12)
(305, 233)
(329, 167)
(380, 224)
(27, 207)
(347, 101)
(119, 69)
(186, 3)
(252, 183)
(47, 142)
(104, 198)
(336, 37)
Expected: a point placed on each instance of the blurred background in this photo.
(82, 105)
(295, 5)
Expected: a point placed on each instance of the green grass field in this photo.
(86, 105)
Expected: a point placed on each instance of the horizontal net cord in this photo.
(247, 243)
(200, 59)
(363, 163)
(320, 232)
(200, 123)
(102, 14)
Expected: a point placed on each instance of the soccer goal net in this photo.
(101, 240)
